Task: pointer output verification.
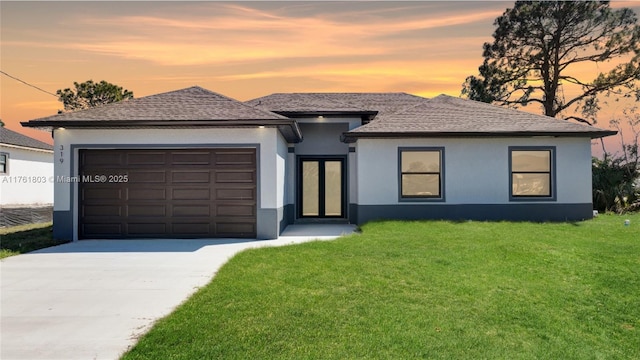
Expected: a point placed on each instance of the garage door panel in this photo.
(191, 194)
(102, 159)
(234, 158)
(201, 229)
(191, 210)
(191, 158)
(101, 193)
(102, 230)
(146, 158)
(235, 210)
(235, 194)
(196, 177)
(146, 176)
(102, 210)
(147, 210)
(236, 229)
(146, 228)
(146, 193)
(170, 193)
(238, 176)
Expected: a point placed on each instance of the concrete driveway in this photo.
(93, 299)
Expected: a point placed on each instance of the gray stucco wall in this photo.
(322, 139)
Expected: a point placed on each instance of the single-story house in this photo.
(192, 163)
(26, 189)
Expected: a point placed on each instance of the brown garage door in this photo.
(168, 193)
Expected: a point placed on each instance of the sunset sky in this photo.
(245, 49)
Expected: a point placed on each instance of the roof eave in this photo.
(30, 148)
(288, 127)
(350, 137)
(299, 114)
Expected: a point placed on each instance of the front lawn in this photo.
(25, 238)
(406, 290)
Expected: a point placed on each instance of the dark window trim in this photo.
(6, 164)
(552, 174)
(441, 197)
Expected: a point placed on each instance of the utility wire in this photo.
(26, 83)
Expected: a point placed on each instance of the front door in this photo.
(321, 187)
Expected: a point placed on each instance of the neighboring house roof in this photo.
(11, 137)
(304, 104)
(192, 106)
(451, 116)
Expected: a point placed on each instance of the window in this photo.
(421, 173)
(4, 163)
(532, 172)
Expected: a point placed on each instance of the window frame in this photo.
(422, 198)
(6, 163)
(552, 174)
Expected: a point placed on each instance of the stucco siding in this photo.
(353, 176)
(291, 177)
(29, 181)
(322, 139)
(281, 171)
(476, 170)
(282, 159)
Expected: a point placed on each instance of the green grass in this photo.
(25, 238)
(407, 290)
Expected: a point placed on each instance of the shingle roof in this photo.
(306, 103)
(11, 137)
(449, 116)
(190, 107)
(194, 103)
(302, 103)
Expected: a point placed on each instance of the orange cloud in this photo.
(239, 34)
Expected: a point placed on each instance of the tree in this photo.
(537, 47)
(89, 94)
(616, 177)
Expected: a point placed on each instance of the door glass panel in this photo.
(333, 188)
(310, 188)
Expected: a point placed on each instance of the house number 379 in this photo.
(61, 153)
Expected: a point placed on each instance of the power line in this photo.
(26, 83)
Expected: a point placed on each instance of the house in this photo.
(26, 189)
(192, 163)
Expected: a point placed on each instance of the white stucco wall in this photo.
(476, 170)
(281, 173)
(290, 181)
(29, 181)
(353, 176)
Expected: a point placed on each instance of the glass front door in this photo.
(322, 187)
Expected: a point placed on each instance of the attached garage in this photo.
(182, 164)
(167, 193)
